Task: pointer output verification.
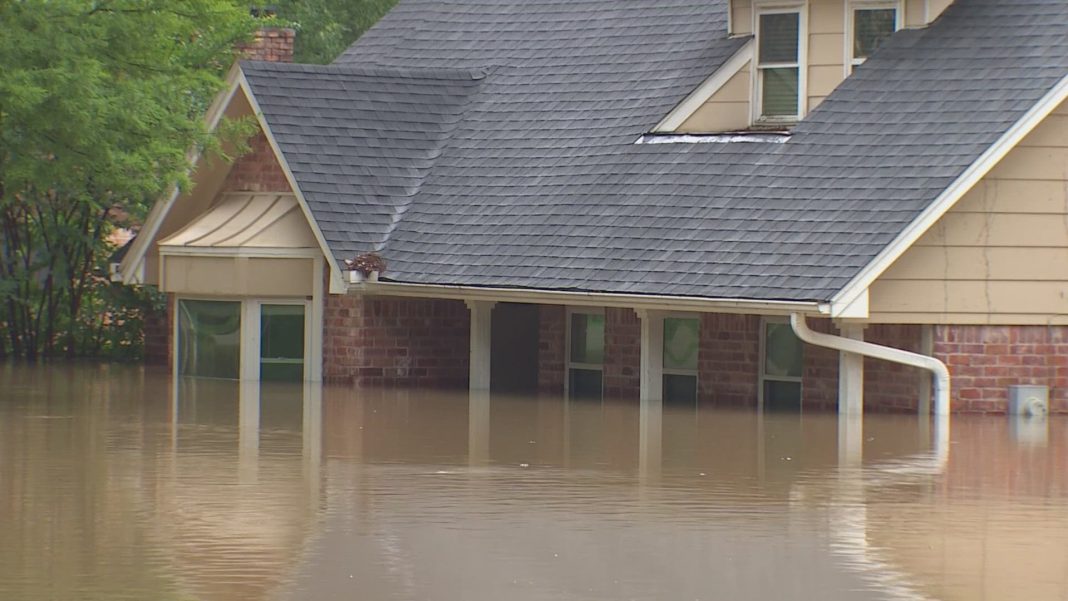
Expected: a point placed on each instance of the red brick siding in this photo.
(728, 360)
(985, 360)
(819, 380)
(622, 353)
(158, 331)
(273, 44)
(257, 170)
(891, 386)
(552, 321)
(396, 342)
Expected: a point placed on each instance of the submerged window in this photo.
(872, 24)
(782, 367)
(681, 336)
(282, 342)
(209, 339)
(779, 66)
(585, 367)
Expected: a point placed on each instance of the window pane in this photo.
(282, 342)
(584, 384)
(680, 390)
(782, 352)
(587, 338)
(871, 27)
(209, 339)
(782, 396)
(680, 343)
(780, 92)
(779, 34)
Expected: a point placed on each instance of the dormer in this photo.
(797, 52)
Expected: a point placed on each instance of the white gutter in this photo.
(936, 367)
(590, 299)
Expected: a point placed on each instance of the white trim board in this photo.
(592, 299)
(949, 197)
(692, 103)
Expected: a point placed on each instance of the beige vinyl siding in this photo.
(726, 110)
(935, 8)
(237, 276)
(826, 49)
(742, 17)
(1001, 255)
(915, 13)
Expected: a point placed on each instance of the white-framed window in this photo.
(681, 348)
(869, 24)
(779, 78)
(585, 353)
(781, 366)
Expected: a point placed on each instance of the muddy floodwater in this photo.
(117, 483)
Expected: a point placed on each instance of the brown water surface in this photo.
(117, 483)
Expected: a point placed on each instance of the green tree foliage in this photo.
(101, 102)
(326, 27)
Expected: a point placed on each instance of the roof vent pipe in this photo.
(936, 367)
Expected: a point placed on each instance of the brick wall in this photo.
(552, 321)
(985, 360)
(728, 360)
(893, 387)
(396, 342)
(819, 381)
(157, 331)
(273, 44)
(622, 353)
(257, 170)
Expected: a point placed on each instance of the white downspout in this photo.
(936, 367)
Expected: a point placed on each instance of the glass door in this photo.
(282, 342)
(209, 338)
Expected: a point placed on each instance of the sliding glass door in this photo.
(209, 338)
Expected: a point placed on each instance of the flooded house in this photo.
(788, 205)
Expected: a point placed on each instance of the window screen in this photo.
(778, 62)
(871, 27)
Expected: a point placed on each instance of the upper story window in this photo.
(779, 79)
(871, 24)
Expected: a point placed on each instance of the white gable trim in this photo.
(337, 283)
(858, 286)
(706, 90)
(131, 269)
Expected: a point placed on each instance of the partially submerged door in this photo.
(282, 342)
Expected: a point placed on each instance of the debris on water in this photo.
(701, 474)
(524, 465)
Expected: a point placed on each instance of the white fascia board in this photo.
(951, 195)
(592, 299)
(131, 269)
(706, 90)
(337, 283)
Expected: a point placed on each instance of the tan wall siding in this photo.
(237, 276)
(727, 110)
(1001, 255)
(742, 17)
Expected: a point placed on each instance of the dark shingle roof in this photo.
(530, 177)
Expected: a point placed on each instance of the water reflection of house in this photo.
(651, 180)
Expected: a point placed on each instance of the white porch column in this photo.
(481, 318)
(652, 355)
(851, 373)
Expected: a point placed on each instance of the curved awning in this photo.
(247, 220)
